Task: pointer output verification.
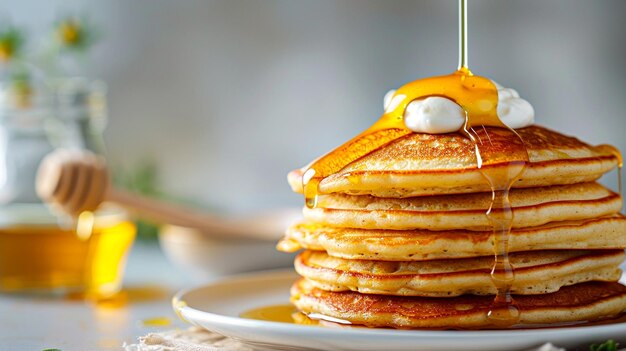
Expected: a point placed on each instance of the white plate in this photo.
(218, 305)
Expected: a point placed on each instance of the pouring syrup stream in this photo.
(463, 63)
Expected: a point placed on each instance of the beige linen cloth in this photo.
(197, 339)
(192, 339)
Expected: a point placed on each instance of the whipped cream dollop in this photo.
(437, 115)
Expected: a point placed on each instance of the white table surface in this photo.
(38, 323)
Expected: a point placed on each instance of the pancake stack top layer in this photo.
(429, 164)
(400, 237)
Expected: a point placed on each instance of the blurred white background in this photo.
(228, 96)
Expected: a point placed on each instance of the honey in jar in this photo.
(39, 253)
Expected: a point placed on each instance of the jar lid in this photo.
(19, 214)
(33, 214)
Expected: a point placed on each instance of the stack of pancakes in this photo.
(400, 237)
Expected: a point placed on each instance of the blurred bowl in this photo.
(204, 256)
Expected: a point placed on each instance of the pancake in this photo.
(538, 272)
(424, 164)
(576, 303)
(531, 207)
(416, 245)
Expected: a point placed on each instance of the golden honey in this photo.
(274, 313)
(157, 322)
(48, 258)
(620, 162)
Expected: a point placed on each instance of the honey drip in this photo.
(503, 311)
(620, 162)
(478, 97)
(85, 225)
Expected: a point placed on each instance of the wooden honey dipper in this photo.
(73, 181)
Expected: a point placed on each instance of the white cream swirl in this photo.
(437, 115)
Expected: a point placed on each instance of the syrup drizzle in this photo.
(620, 162)
(478, 97)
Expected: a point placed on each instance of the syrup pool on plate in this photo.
(287, 313)
(274, 313)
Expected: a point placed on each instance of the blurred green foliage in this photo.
(76, 34)
(11, 42)
(609, 345)
(141, 179)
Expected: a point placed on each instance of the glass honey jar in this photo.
(41, 251)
